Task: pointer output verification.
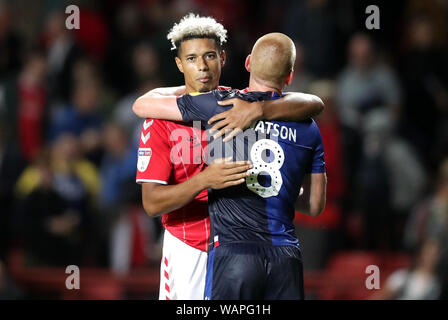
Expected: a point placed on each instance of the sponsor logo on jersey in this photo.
(144, 156)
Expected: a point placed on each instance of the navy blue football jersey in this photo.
(261, 210)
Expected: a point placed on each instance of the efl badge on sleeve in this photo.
(144, 156)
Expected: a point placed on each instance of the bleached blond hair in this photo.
(194, 26)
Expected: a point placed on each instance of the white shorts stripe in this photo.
(182, 270)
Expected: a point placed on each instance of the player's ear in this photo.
(179, 64)
(222, 57)
(247, 63)
(289, 78)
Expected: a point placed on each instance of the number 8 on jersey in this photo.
(272, 168)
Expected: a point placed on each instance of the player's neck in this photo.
(260, 85)
(189, 89)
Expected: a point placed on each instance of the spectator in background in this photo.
(75, 179)
(52, 233)
(127, 33)
(23, 102)
(118, 166)
(146, 66)
(62, 54)
(8, 289)
(82, 115)
(117, 196)
(430, 220)
(85, 71)
(320, 235)
(131, 234)
(132, 242)
(123, 114)
(312, 23)
(10, 43)
(443, 272)
(302, 78)
(73, 184)
(436, 11)
(438, 224)
(225, 10)
(32, 105)
(430, 217)
(124, 230)
(93, 36)
(145, 63)
(5, 199)
(390, 180)
(23, 109)
(363, 85)
(424, 69)
(420, 282)
(33, 84)
(81, 118)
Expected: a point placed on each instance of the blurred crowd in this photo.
(68, 137)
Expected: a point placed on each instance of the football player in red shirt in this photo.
(170, 164)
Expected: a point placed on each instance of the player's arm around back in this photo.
(294, 106)
(159, 103)
(158, 199)
(312, 199)
(221, 173)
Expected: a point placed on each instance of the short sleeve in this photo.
(318, 164)
(199, 107)
(153, 158)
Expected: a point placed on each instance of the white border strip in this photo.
(150, 180)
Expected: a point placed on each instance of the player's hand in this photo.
(236, 119)
(223, 173)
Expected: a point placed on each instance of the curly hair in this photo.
(194, 26)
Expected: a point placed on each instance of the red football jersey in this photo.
(170, 153)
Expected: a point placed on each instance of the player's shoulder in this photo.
(313, 127)
(307, 124)
(202, 97)
(307, 128)
(241, 94)
(148, 123)
(158, 125)
(222, 93)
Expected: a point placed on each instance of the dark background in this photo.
(68, 138)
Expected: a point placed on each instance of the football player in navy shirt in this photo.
(254, 253)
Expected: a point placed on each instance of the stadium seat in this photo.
(352, 263)
(345, 275)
